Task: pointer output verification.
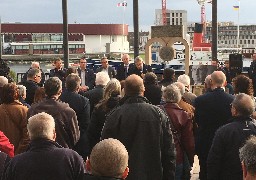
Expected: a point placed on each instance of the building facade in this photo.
(227, 35)
(20, 38)
(173, 17)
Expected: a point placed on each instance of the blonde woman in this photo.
(110, 99)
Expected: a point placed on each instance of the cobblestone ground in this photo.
(195, 169)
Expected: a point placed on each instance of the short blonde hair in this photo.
(109, 158)
(41, 125)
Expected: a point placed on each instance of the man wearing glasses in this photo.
(106, 68)
(87, 75)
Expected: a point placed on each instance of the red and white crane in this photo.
(164, 12)
(203, 16)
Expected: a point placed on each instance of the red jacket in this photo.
(5, 145)
(183, 125)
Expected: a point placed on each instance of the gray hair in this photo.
(181, 87)
(172, 94)
(3, 81)
(41, 125)
(22, 90)
(73, 82)
(184, 79)
(33, 72)
(138, 59)
(247, 155)
(52, 86)
(244, 104)
(102, 78)
(35, 65)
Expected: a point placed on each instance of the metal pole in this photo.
(214, 30)
(65, 33)
(238, 27)
(1, 46)
(136, 27)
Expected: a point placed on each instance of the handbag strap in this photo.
(9, 117)
(174, 131)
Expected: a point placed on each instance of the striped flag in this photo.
(236, 7)
(124, 4)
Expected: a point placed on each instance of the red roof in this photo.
(87, 29)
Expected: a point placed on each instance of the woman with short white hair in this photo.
(181, 126)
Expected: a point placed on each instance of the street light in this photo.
(136, 27)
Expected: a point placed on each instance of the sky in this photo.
(107, 12)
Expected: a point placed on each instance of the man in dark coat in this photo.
(212, 110)
(35, 65)
(31, 84)
(77, 102)
(122, 70)
(144, 129)
(58, 71)
(223, 159)
(108, 161)
(252, 72)
(45, 159)
(139, 68)
(106, 68)
(67, 129)
(87, 75)
(96, 94)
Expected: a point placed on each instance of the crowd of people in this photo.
(126, 124)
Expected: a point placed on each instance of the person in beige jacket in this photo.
(13, 118)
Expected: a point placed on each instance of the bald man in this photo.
(122, 69)
(223, 159)
(108, 159)
(144, 130)
(212, 110)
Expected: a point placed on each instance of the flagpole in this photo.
(238, 27)
(123, 26)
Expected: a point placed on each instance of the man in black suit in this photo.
(122, 70)
(212, 110)
(87, 75)
(106, 68)
(58, 71)
(35, 65)
(139, 68)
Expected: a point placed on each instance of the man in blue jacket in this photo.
(45, 159)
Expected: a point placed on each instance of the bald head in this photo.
(134, 86)
(108, 158)
(243, 104)
(218, 79)
(125, 59)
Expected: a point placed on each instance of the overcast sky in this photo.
(106, 11)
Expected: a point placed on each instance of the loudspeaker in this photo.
(235, 64)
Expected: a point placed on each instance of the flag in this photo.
(124, 4)
(236, 7)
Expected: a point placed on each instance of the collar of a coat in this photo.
(92, 177)
(240, 119)
(133, 99)
(42, 144)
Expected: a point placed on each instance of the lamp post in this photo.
(214, 30)
(136, 27)
(65, 33)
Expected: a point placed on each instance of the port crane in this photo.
(203, 16)
(164, 12)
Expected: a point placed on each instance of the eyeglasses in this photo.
(38, 76)
(82, 62)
